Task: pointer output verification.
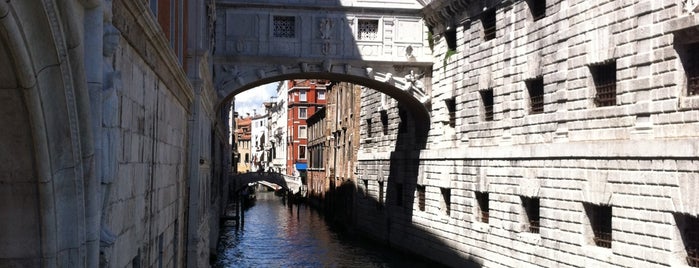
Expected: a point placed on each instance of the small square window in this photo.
(302, 95)
(488, 22)
(482, 199)
(302, 151)
(531, 208)
(537, 8)
(321, 94)
(303, 132)
(488, 101)
(368, 30)
(601, 222)
(604, 76)
(536, 95)
(451, 109)
(284, 26)
(421, 197)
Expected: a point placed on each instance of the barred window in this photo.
(488, 21)
(284, 26)
(689, 231)
(601, 223)
(537, 8)
(604, 76)
(451, 109)
(368, 30)
(531, 208)
(536, 95)
(690, 58)
(488, 102)
(482, 200)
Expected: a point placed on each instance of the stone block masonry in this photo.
(637, 155)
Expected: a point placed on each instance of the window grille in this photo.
(451, 108)
(487, 98)
(489, 25)
(689, 230)
(368, 30)
(482, 198)
(601, 223)
(604, 76)
(693, 84)
(536, 95)
(531, 207)
(537, 8)
(284, 26)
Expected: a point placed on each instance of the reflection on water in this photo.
(276, 236)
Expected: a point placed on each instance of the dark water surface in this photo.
(276, 236)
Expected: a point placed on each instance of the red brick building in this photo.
(305, 97)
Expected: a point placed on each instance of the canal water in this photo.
(276, 236)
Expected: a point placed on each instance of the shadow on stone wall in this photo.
(392, 222)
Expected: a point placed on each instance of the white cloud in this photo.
(253, 98)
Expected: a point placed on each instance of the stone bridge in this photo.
(354, 42)
(291, 183)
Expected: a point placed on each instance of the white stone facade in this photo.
(637, 156)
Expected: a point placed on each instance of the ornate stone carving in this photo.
(413, 85)
(281, 69)
(234, 74)
(325, 48)
(261, 73)
(327, 65)
(348, 68)
(304, 67)
(326, 28)
(240, 46)
(691, 6)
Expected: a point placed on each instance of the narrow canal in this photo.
(276, 236)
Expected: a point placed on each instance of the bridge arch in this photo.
(46, 154)
(398, 82)
(290, 183)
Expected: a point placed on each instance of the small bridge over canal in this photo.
(290, 183)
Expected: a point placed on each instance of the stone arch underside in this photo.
(42, 155)
(408, 83)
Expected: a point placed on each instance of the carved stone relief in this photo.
(691, 6)
(326, 28)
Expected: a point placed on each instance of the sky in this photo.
(253, 98)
